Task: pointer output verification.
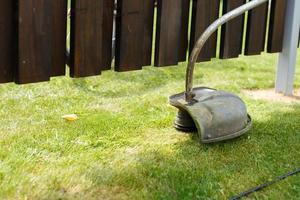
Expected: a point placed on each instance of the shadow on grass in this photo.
(185, 169)
(134, 83)
(217, 171)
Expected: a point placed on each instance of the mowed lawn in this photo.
(123, 145)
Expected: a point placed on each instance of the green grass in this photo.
(124, 146)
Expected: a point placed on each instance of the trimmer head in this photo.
(216, 115)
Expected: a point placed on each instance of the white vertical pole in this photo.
(287, 58)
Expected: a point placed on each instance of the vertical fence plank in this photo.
(86, 38)
(168, 31)
(184, 30)
(204, 13)
(42, 35)
(6, 41)
(232, 32)
(148, 31)
(276, 28)
(35, 39)
(129, 35)
(134, 32)
(108, 15)
(256, 30)
(59, 20)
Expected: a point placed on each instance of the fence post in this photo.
(287, 58)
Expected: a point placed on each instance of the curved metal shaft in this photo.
(205, 36)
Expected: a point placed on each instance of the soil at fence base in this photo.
(270, 95)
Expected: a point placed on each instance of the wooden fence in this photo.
(33, 35)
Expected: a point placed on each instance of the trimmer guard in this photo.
(217, 115)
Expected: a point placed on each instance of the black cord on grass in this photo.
(279, 178)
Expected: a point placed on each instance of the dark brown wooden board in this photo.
(256, 30)
(276, 27)
(148, 31)
(168, 29)
(35, 41)
(134, 34)
(86, 38)
(184, 30)
(107, 31)
(232, 32)
(7, 37)
(204, 13)
(59, 20)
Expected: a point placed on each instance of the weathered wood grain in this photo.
(184, 43)
(204, 13)
(86, 38)
(7, 39)
(256, 30)
(130, 35)
(232, 32)
(168, 29)
(134, 34)
(59, 20)
(35, 41)
(148, 16)
(276, 27)
(107, 29)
